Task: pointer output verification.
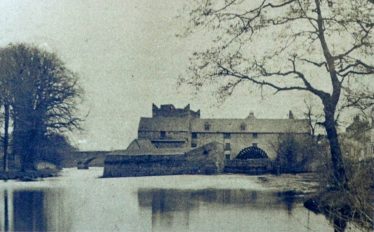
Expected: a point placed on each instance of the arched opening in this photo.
(252, 152)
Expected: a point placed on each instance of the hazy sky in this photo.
(128, 57)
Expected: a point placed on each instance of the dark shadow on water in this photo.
(33, 210)
(289, 199)
(6, 211)
(28, 211)
(165, 200)
(340, 212)
(166, 203)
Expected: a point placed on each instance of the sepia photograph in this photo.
(187, 116)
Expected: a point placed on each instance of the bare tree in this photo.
(5, 100)
(43, 98)
(314, 119)
(313, 46)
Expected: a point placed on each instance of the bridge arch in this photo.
(252, 152)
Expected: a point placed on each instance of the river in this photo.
(79, 200)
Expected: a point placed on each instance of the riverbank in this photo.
(302, 183)
(28, 175)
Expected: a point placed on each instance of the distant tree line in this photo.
(38, 96)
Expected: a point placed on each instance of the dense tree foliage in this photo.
(41, 95)
(296, 153)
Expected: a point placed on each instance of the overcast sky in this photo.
(128, 57)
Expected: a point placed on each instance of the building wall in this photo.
(263, 141)
(239, 141)
(204, 138)
(236, 141)
(203, 160)
(169, 135)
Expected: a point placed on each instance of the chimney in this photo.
(154, 110)
(251, 115)
(290, 115)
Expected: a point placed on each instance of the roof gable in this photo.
(164, 124)
(250, 125)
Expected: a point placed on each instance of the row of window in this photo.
(227, 145)
(228, 135)
(194, 135)
(225, 135)
(243, 126)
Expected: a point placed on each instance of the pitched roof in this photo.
(252, 125)
(141, 144)
(145, 147)
(164, 124)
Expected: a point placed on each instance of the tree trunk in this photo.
(339, 174)
(6, 136)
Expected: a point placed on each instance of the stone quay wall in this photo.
(207, 159)
(250, 166)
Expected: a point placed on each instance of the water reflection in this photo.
(29, 210)
(6, 211)
(165, 200)
(178, 209)
(79, 201)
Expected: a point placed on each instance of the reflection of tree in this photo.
(28, 209)
(6, 211)
(333, 205)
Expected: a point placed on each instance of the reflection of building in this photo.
(170, 127)
(177, 209)
(177, 141)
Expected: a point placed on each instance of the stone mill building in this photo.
(178, 141)
(252, 137)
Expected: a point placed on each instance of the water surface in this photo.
(80, 201)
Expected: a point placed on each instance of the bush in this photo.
(296, 153)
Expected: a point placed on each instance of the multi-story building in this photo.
(171, 128)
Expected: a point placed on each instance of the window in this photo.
(194, 135)
(243, 126)
(227, 146)
(254, 135)
(193, 144)
(254, 144)
(162, 134)
(227, 156)
(226, 135)
(206, 126)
